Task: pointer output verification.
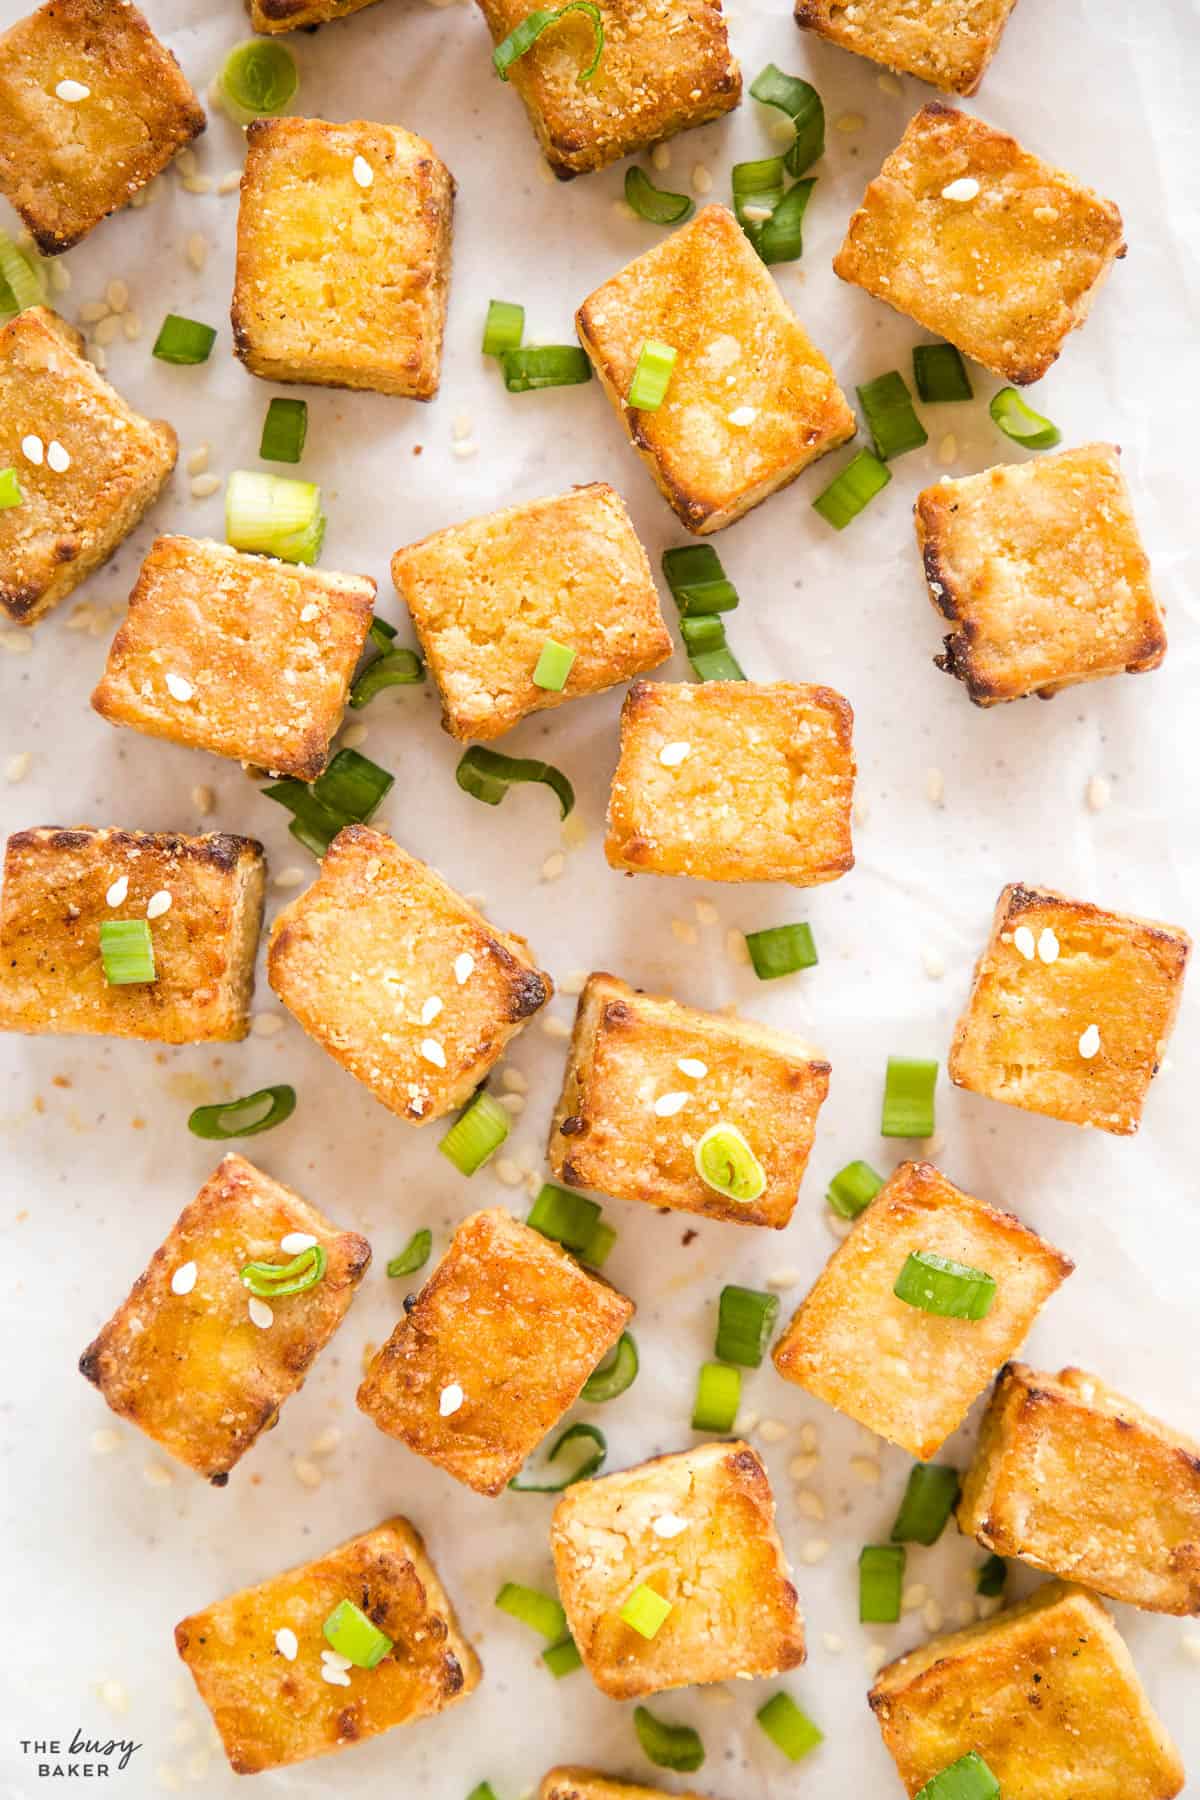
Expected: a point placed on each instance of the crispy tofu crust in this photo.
(338, 284)
(69, 521)
(764, 793)
(1046, 1692)
(1019, 1034)
(66, 165)
(517, 1325)
(739, 350)
(1041, 571)
(1004, 275)
(271, 1711)
(948, 43)
(56, 883)
(192, 1370)
(588, 1784)
(268, 649)
(292, 15)
(1074, 1478)
(626, 1052)
(908, 1375)
(666, 67)
(734, 1611)
(356, 956)
(486, 596)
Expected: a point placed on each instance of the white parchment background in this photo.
(98, 1161)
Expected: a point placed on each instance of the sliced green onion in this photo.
(703, 634)
(587, 1465)
(697, 581)
(553, 666)
(967, 1779)
(127, 952)
(414, 1255)
(652, 376)
(349, 792)
(927, 1504)
(718, 1396)
(645, 1612)
(544, 366)
(781, 950)
(1020, 423)
(992, 1577)
(487, 775)
(888, 409)
(789, 1729)
(10, 489)
(476, 1134)
(271, 1281)
(284, 431)
(653, 203)
(852, 1189)
(782, 236)
(541, 1612)
(726, 1163)
(862, 478)
(483, 1790)
(802, 104)
(940, 374)
(757, 190)
(381, 633)
(717, 665)
(352, 1634)
(503, 328)
(399, 668)
(667, 1746)
(935, 1284)
(880, 1581)
(908, 1097)
(22, 282)
(614, 1374)
(527, 33)
(260, 1111)
(563, 1658)
(745, 1321)
(598, 1248)
(570, 1219)
(184, 341)
(257, 80)
(274, 515)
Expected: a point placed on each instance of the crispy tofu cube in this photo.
(1040, 569)
(496, 1347)
(733, 781)
(589, 1784)
(1045, 1692)
(1070, 1009)
(256, 1657)
(983, 243)
(948, 43)
(92, 107)
(751, 401)
(665, 68)
(293, 15)
(361, 955)
(646, 1078)
(61, 885)
(72, 515)
(699, 1529)
(265, 651)
(185, 1359)
(1074, 1478)
(343, 256)
(908, 1375)
(486, 596)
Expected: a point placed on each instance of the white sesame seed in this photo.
(935, 787)
(667, 1105)
(671, 755)
(433, 1053)
(260, 1313)
(431, 1009)
(95, 355)
(808, 1436)
(197, 462)
(1089, 1043)
(508, 1172)
(706, 912)
(201, 487)
(849, 121)
(17, 767)
(668, 1525)
(178, 688)
(104, 1442)
(296, 1242)
(742, 415)
(117, 892)
(184, 1278)
(57, 457)
(573, 982)
(229, 184)
(1099, 793)
(932, 1616)
(1024, 943)
(660, 157)
(287, 1643)
(691, 1065)
(334, 1676)
(783, 1279)
(105, 332)
(158, 904)
(196, 250)
(801, 1467)
(1047, 946)
(773, 1431)
(196, 184)
(72, 91)
(701, 179)
(265, 1025)
(464, 448)
(809, 1505)
(325, 1442)
(874, 1656)
(914, 1597)
(117, 295)
(463, 966)
(514, 1103)
(450, 1399)
(291, 877)
(815, 1550)
(965, 188)
(204, 801)
(362, 171)
(553, 866)
(555, 1027)
(932, 964)
(755, 215)
(157, 1475)
(514, 1081)
(306, 1473)
(92, 311)
(889, 83)
(131, 325)
(867, 1470)
(33, 450)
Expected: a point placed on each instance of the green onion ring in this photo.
(802, 104)
(244, 1118)
(1020, 423)
(414, 1255)
(487, 776)
(614, 1374)
(668, 1746)
(399, 668)
(271, 1281)
(257, 80)
(531, 28)
(781, 237)
(590, 1463)
(653, 203)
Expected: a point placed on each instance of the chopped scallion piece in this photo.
(284, 431)
(789, 1729)
(935, 1284)
(718, 1396)
(587, 1465)
(908, 1097)
(487, 775)
(927, 1504)
(862, 478)
(348, 793)
(1020, 423)
(414, 1255)
(616, 1372)
(888, 409)
(562, 1659)
(802, 104)
(745, 1321)
(260, 1111)
(399, 668)
(544, 366)
(570, 1219)
(967, 1779)
(553, 666)
(381, 633)
(717, 665)
(781, 950)
(126, 952)
(257, 80)
(668, 1746)
(652, 203)
(880, 1581)
(703, 634)
(527, 33)
(271, 1281)
(652, 376)
(697, 581)
(541, 1612)
(22, 282)
(10, 489)
(503, 328)
(757, 190)
(599, 1246)
(476, 1134)
(940, 374)
(645, 1611)
(852, 1189)
(726, 1163)
(352, 1634)
(991, 1579)
(184, 341)
(274, 515)
(781, 238)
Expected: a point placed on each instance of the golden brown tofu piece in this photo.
(343, 256)
(203, 898)
(294, 15)
(751, 401)
(257, 1658)
(87, 465)
(485, 597)
(92, 107)
(908, 1375)
(496, 1347)
(1040, 569)
(190, 1357)
(241, 655)
(983, 243)
(1070, 1009)
(733, 781)
(698, 1528)
(948, 43)
(1074, 1478)
(666, 67)
(1045, 1692)
(588, 1784)
(646, 1078)
(363, 954)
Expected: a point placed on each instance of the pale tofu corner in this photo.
(947, 43)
